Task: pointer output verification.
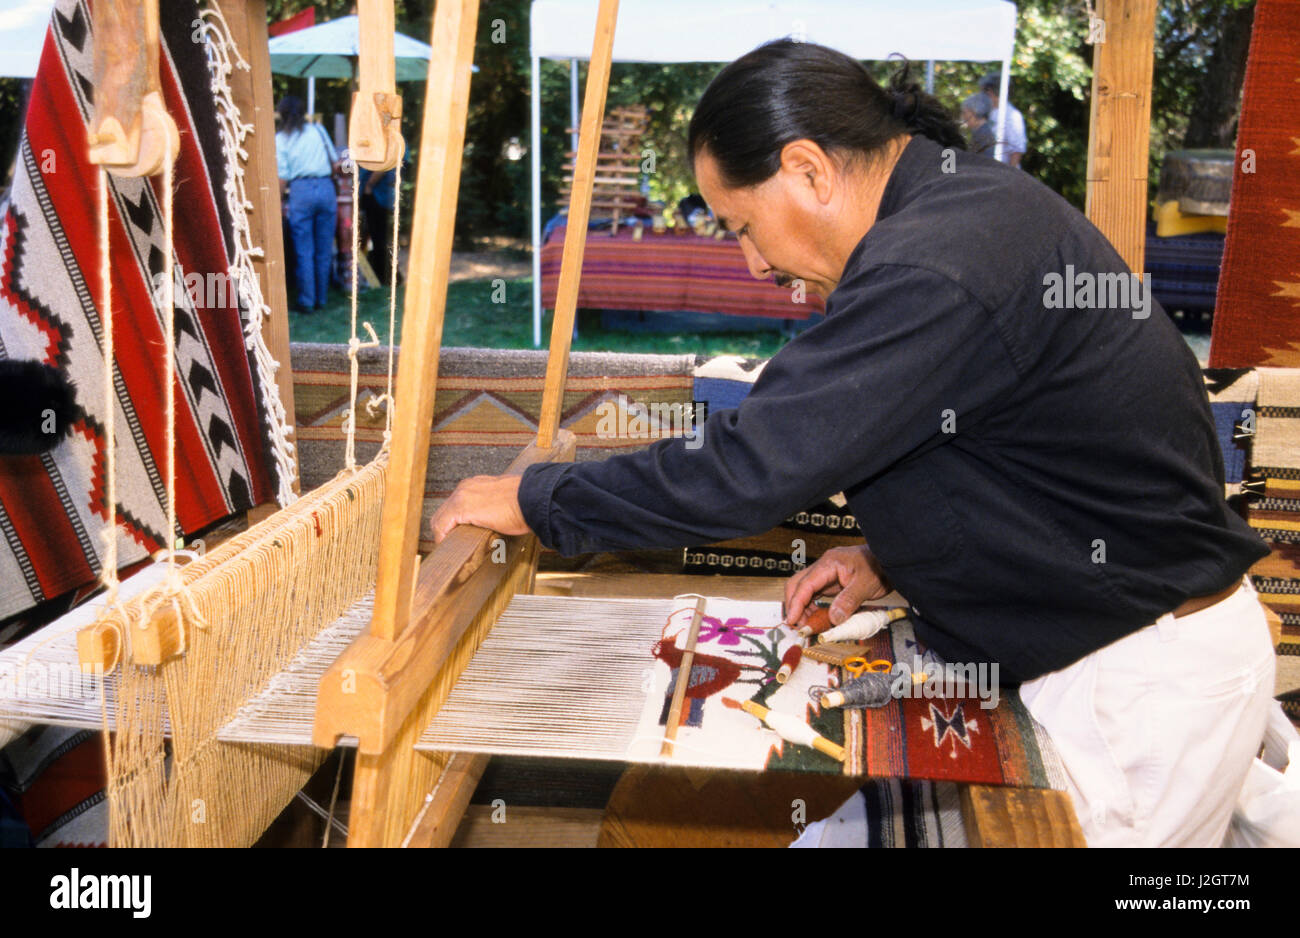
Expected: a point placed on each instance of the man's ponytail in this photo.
(923, 113)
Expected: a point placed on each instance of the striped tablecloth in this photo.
(670, 273)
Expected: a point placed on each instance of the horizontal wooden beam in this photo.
(438, 822)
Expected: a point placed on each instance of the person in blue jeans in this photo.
(306, 161)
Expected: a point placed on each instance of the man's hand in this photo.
(488, 501)
(852, 572)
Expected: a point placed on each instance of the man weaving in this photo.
(1039, 479)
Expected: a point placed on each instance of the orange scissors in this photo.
(857, 665)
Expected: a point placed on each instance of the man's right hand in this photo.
(851, 574)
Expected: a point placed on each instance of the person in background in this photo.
(1016, 143)
(306, 160)
(378, 196)
(975, 115)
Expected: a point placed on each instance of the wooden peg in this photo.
(375, 127)
(99, 647)
(131, 132)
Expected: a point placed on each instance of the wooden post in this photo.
(442, 145)
(251, 92)
(375, 129)
(1120, 126)
(131, 132)
(575, 240)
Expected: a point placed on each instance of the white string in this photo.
(108, 575)
(223, 58)
(354, 344)
(169, 373)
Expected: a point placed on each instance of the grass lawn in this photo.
(474, 320)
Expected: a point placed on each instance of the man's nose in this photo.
(759, 269)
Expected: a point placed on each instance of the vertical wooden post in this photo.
(575, 239)
(1120, 126)
(251, 92)
(442, 145)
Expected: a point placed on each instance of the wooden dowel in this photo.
(683, 680)
(374, 130)
(566, 300)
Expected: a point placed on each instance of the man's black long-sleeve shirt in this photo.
(1038, 481)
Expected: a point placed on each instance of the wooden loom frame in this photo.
(379, 690)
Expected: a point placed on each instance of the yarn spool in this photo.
(873, 689)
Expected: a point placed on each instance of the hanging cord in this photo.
(354, 343)
(169, 373)
(108, 575)
(350, 420)
(171, 590)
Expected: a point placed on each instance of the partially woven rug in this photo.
(1276, 516)
(1257, 313)
(52, 507)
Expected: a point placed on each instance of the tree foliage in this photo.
(1198, 62)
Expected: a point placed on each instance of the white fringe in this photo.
(223, 57)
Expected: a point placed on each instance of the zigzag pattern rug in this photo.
(52, 507)
(1275, 457)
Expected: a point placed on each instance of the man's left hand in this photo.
(488, 501)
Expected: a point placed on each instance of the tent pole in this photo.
(311, 95)
(1004, 105)
(573, 103)
(929, 76)
(536, 154)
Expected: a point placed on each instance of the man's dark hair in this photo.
(786, 90)
(291, 114)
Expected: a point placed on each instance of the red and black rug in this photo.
(53, 506)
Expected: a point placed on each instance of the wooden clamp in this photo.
(131, 133)
(375, 128)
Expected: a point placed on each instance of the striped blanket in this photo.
(670, 273)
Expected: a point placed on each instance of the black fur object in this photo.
(36, 407)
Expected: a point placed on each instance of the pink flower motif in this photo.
(727, 633)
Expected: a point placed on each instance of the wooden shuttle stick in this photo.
(683, 680)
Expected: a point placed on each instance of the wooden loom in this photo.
(429, 616)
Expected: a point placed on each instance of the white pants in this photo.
(1158, 730)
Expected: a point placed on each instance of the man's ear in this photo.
(806, 159)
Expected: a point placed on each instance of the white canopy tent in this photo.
(724, 30)
(23, 24)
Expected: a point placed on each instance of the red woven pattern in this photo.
(1257, 315)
